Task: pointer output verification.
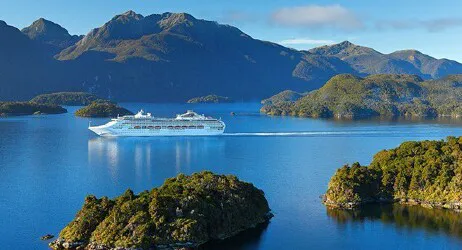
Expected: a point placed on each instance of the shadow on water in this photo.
(434, 221)
(249, 239)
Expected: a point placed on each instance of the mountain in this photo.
(428, 65)
(26, 67)
(50, 33)
(173, 57)
(369, 61)
(349, 96)
(344, 50)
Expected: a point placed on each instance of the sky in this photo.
(432, 27)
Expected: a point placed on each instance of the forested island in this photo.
(210, 99)
(186, 211)
(102, 109)
(349, 96)
(66, 98)
(426, 173)
(29, 108)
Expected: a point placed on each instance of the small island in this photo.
(386, 95)
(426, 173)
(210, 99)
(29, 108)
(186, 211)
(102, 109)
(66, 98)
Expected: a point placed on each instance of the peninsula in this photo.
(349, 96)
(424, 173)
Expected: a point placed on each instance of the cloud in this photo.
(432, 25)
(318, 17)
(305, 41)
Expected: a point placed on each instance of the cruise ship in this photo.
(141, 124)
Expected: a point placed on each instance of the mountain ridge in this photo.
(173, 57)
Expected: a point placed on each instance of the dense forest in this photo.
(428, 173)
(185, 211)
(28, 108)
(210, 99)
(102, 109)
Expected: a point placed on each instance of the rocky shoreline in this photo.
(454, 206)
(62, 244)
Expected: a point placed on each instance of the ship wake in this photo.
(313, 133)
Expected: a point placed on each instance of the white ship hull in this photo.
(104, 131)
(189, 124)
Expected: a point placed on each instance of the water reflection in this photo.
(100, 150)
(405, 217)
(142, 155)
(249, 239)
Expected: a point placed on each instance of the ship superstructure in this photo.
(144, 124)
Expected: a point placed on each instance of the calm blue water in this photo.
(48, 164)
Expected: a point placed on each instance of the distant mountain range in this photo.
(369, 61)
(174, 57)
